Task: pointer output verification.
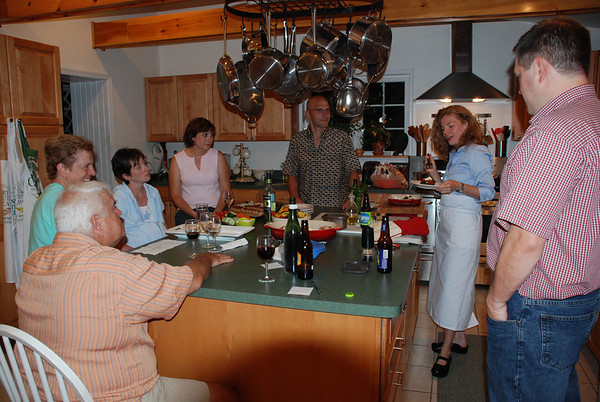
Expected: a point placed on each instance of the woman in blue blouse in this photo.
(457, 137)
(140, 203)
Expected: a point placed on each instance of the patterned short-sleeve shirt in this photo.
(323, 173)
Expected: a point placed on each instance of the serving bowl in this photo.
(404, 199)
(317, 230)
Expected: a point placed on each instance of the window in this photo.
(386, 101)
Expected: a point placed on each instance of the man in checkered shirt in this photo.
(544, 243)
(321, 163)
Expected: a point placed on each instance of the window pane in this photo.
(394, 116)
(394, 93)
(375, 94)
(372, 114)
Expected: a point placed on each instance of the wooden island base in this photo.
(279, 354)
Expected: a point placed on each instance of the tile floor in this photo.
(421, 386)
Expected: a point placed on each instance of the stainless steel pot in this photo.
(251, 99)
(349, 101)
(290, 84)
(227, 77)
(370, 39)
(331, 39)
(253, 44)
(267, 68)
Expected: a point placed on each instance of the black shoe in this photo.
(456, 348)
(441, 371)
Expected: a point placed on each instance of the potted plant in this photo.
(376, 137)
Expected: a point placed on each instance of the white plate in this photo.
(422, 186)
(226, 231)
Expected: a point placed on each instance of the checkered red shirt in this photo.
(551, 187)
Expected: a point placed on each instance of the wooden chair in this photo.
(12, 379)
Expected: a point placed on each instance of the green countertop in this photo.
(375, 294)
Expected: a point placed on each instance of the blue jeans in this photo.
(532, 355)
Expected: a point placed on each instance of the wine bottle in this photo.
(269, 204)
(385, 248)
(291, 239)
(305, 268)
(366, 214)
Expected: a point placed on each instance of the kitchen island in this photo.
(271, 346)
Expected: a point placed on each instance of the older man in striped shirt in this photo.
(90, 302)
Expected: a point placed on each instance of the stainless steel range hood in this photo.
(462, 85)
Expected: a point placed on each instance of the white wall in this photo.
(424, 50)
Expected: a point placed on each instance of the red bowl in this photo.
(317, 230)
(404, 199)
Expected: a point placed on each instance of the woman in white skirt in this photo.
(457, 137)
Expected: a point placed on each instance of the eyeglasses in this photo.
(320, 110)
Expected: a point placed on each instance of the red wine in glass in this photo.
(193, 235)
(265, 252)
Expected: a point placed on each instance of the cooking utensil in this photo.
(227, 77)
(290, 84)
(317, 230)
(267, 67)
(253, 44)
(316, 67)
(370, 39)
(251, 98)
(349, 101)
(331, 39)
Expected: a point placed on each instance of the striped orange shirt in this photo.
(91, 304)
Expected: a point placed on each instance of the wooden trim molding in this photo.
(206, 25)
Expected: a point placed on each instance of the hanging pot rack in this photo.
(282, 9)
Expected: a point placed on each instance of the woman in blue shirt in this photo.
(140, 203)
(457, 137)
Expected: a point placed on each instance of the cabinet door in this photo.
(34, 70)
(229, 122)
(5, 108)
(275, 121)
(194, 97)
(161, 109)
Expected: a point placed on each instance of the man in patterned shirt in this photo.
(91, 303)
(544, 244)
(321, 163)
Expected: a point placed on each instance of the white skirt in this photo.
(455, 261)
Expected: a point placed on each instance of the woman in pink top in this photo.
(199, 173)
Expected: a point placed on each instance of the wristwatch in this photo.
(462, 188)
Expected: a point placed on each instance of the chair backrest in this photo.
(10, 371)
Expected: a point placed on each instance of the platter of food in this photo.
(284, 211)
(424, 186)
(251, 209)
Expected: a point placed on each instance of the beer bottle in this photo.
(385, 247)
(305, 254)
(366, 214)
(291, 239)
(269, 198)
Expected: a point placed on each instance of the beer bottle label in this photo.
(365, 218)
(299, 259)
(383, 259)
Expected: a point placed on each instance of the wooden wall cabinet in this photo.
(277, 122)
(172, 101)
(30, 90)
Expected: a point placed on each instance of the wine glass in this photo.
(192, 230)
(228, 198)
(265, 247)
(214, 227)
(203, 218)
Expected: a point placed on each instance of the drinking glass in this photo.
(203, 207)
(203, 218)
(214, 227)
(228, 198)
(265, 247)
(192, 230)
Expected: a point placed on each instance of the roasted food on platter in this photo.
(251, 209)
